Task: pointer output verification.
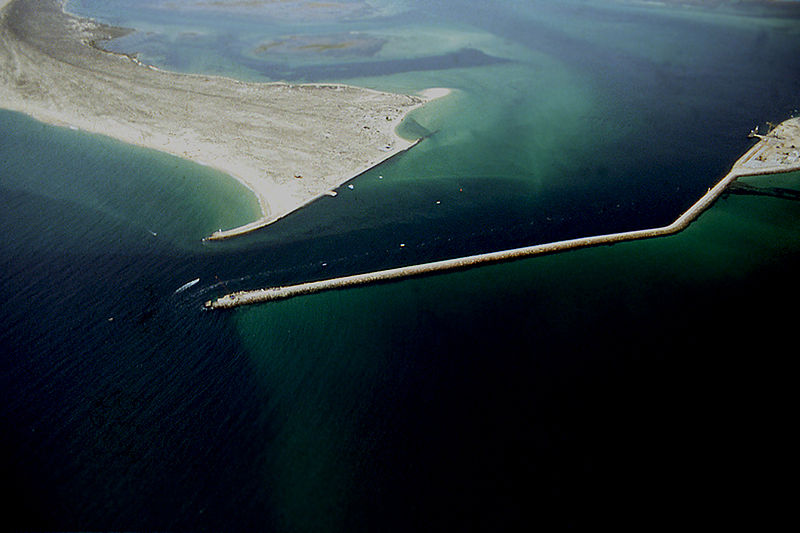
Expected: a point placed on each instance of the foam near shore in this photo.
(288, 143)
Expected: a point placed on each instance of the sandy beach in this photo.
(288, 143)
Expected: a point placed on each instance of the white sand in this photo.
(289, 144)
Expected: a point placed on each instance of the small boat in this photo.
(187, 285)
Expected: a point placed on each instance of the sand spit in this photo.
(776, 152)
(289, 144)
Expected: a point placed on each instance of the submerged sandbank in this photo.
(287, 143)
(436, 92)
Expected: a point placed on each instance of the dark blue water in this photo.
(640, 384)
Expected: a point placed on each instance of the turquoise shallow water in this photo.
(640, 383)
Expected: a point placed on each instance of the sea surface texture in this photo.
(637, 384)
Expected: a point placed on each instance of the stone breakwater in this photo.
(775, 153)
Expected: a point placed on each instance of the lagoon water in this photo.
(639, 383)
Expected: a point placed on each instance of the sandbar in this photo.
(288, 143)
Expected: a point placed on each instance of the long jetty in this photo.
(775, 153)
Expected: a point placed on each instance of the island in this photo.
(288, 143)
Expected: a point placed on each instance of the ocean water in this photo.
(643, 383)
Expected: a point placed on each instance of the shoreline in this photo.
(289, 144)
(402, 146)
(263, 222)
(776, 153)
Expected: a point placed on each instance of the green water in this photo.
(642, 383)
(153, 192)
(648, 339)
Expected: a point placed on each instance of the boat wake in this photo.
(187, 285)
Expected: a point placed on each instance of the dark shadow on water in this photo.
(464, 58)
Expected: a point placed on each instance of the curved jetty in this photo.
(263, 134)
(776, 152)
